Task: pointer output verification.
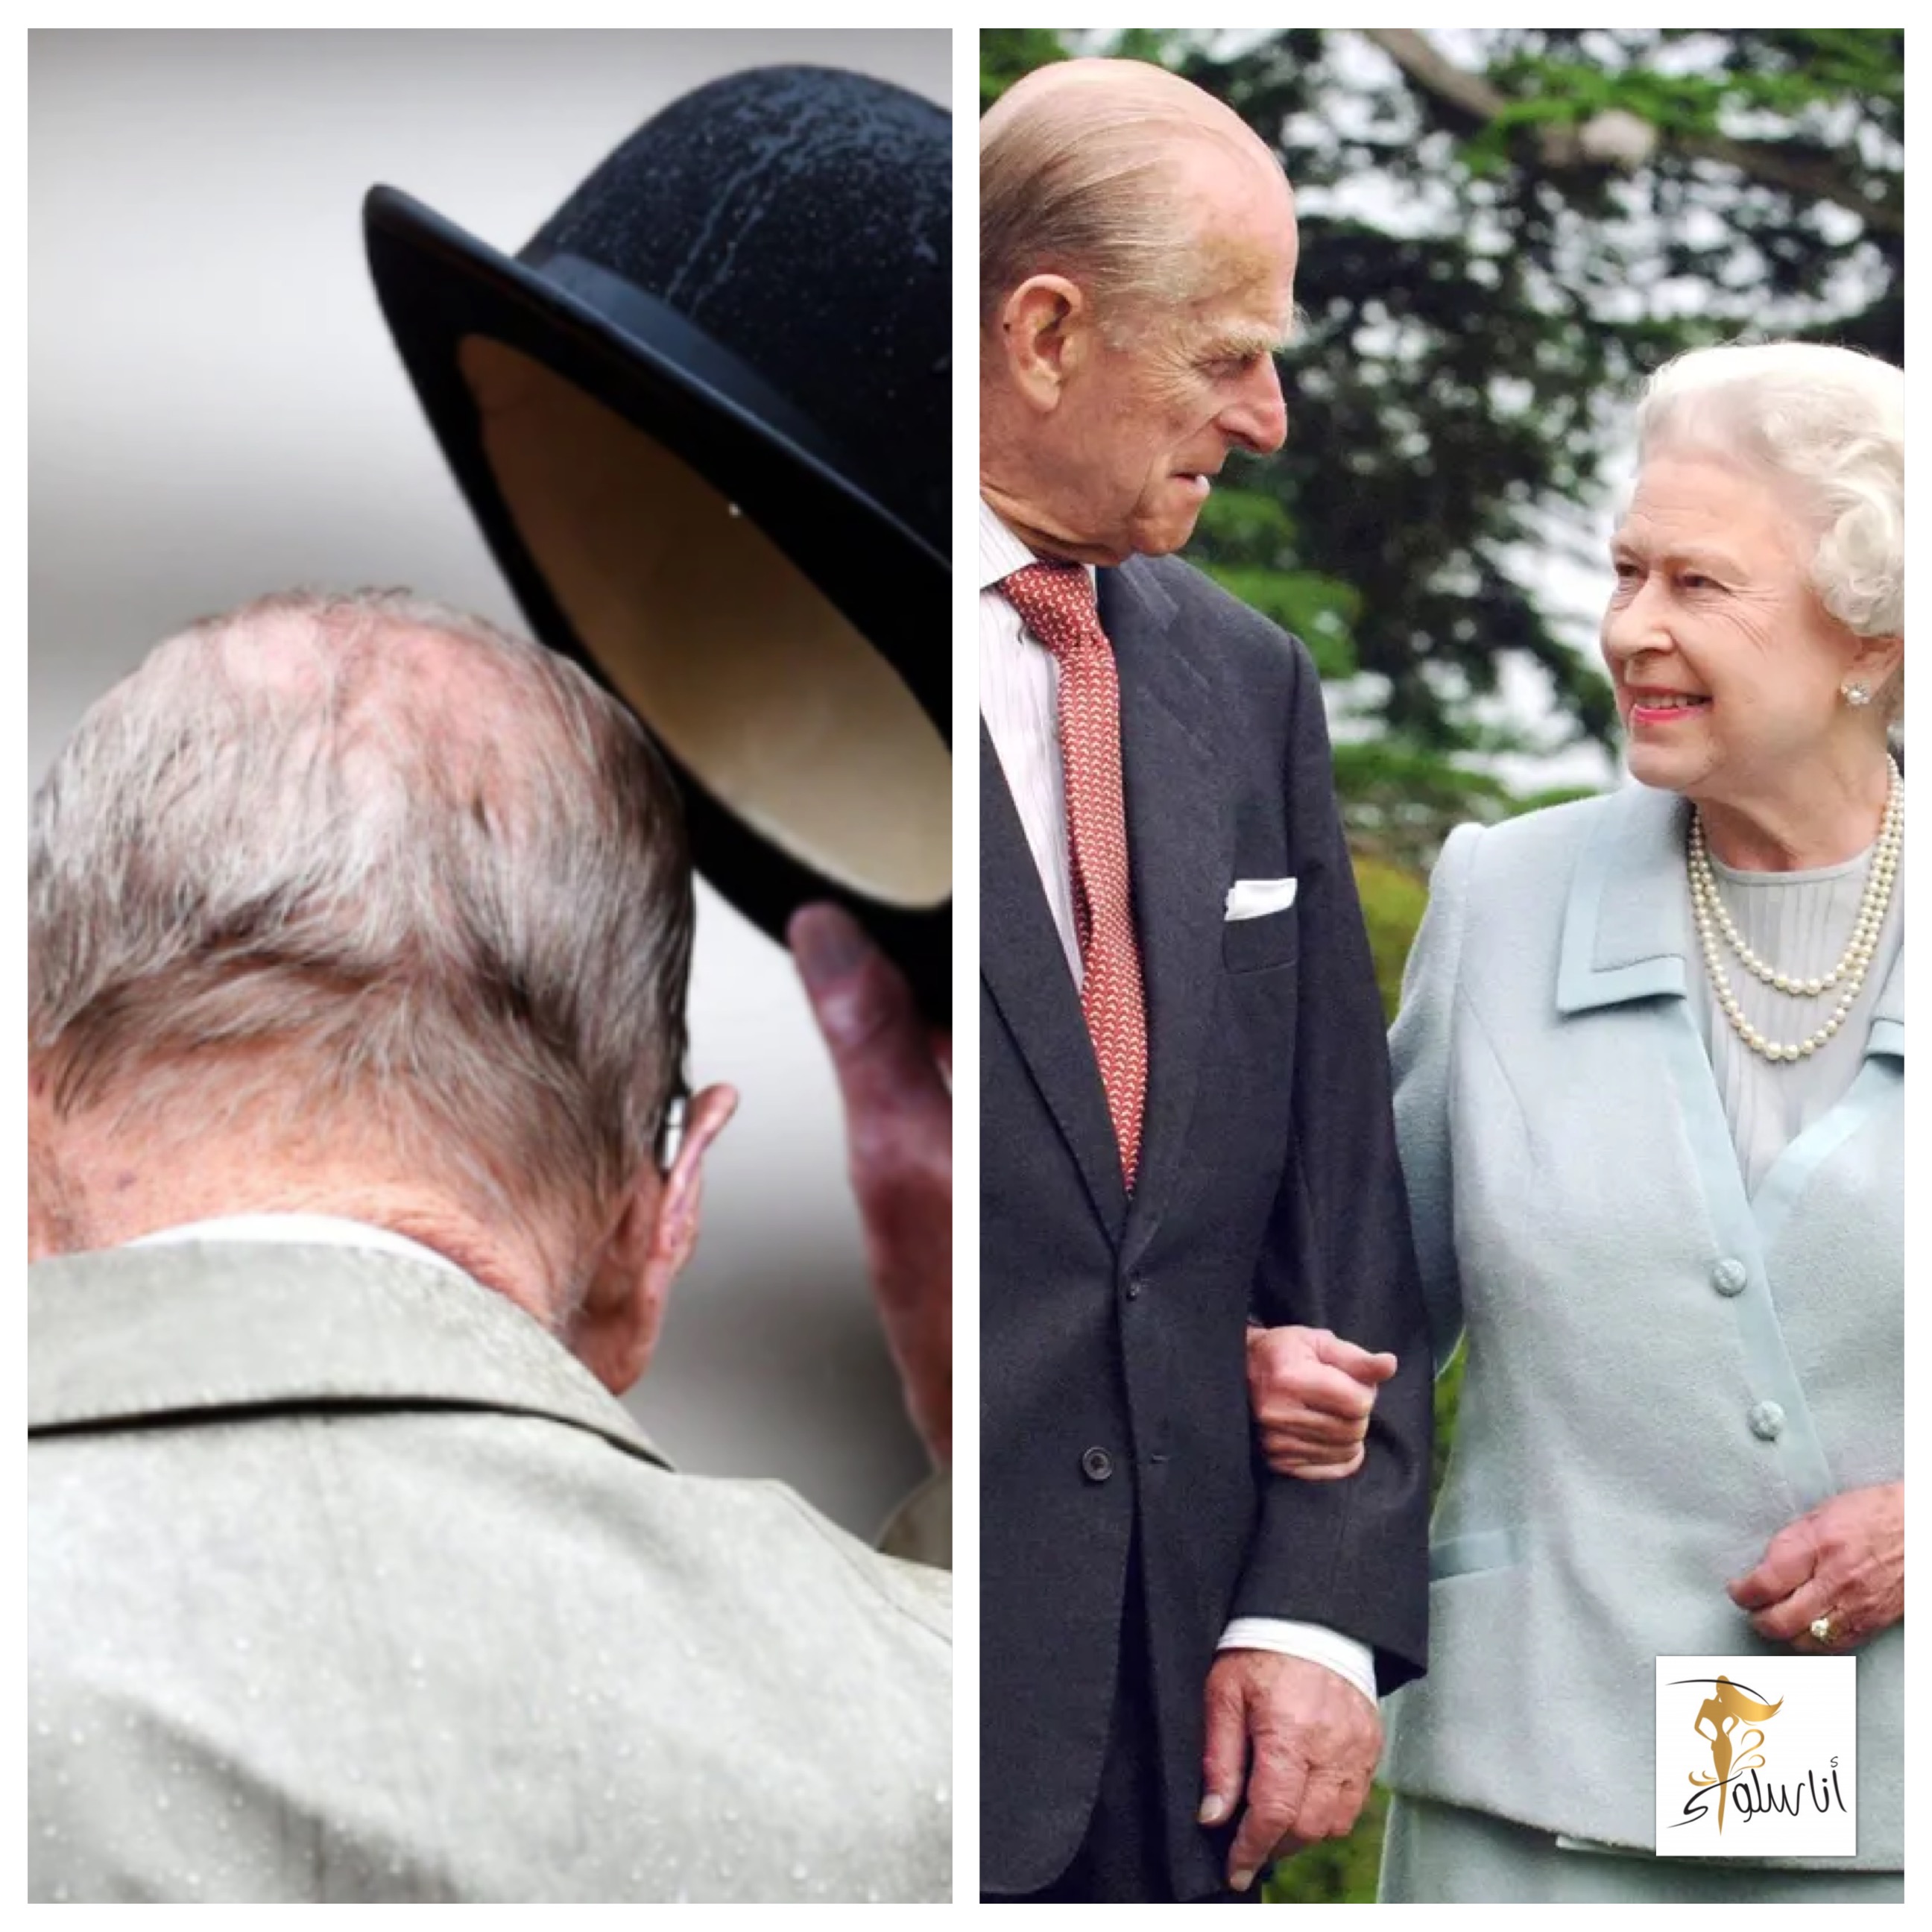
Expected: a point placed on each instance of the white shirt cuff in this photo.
(1342, 1654)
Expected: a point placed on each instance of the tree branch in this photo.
(1418, 58)
(1777, 167)
(1472, 100)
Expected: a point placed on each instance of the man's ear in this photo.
(615, 1327)
(1044, 324)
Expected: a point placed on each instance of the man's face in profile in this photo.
(1170, 388)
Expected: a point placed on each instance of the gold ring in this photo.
(1823, 1632)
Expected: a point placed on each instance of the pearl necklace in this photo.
(1714, 922)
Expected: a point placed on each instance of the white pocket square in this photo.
(1251, 898)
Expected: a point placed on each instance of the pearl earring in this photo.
(1856, 694)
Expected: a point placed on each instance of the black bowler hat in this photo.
(704, 420)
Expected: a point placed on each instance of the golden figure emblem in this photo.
(1736, 1743)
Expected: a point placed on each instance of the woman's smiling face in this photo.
(1727, 665)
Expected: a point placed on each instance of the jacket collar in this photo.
(134, 1336)
(1625, 932)
(1626, 923)
(1888, 1028)
(1177, 804)
(1024, 967)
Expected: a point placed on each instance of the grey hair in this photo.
(1829, 423)
(365, 857)
(1077, 177)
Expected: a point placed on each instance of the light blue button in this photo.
(1767, 1421)
(1728, 1276)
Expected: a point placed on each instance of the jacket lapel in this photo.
(1177, 848)
(1024, 970)
(1624, 931)
(1626, 934)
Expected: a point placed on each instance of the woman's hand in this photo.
(1845, 1560)
(1312, 1393)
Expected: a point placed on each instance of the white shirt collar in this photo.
(1001, 552)
(327, 1231)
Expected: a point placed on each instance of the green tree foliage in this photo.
(1007, 52)
(1502, 231)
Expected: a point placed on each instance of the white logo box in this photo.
(1789, 1727)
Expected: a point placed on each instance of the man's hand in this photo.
(1844, 1560)
(899, 1134)
(1308, 1740)
(1312, 1393)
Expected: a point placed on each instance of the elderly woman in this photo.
(1650, 1070)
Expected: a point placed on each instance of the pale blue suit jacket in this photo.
(1662, 1372)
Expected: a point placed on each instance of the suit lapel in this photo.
(1177, 842)
(1888, 1026)
(1024, 970)
(1625, 933)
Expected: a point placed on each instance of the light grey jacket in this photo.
(1662, 1371)
(346, 1582)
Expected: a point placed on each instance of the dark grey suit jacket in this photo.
(1113, 1351)
(346, 1583)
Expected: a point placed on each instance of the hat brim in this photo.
(438, 285)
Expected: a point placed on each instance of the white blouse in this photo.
(1799, 922)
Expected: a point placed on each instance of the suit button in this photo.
(1728, 1276)
(1767, 1421)
(1135, 1283)
(1097, 1465)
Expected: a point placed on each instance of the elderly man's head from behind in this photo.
(1137, 257)
(359, 906)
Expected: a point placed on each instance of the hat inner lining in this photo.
(750, 678)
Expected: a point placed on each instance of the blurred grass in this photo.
(1392, 899)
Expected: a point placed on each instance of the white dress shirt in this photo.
(1019, 700)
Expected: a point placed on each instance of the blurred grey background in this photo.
(215, 411)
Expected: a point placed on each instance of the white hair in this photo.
(363, 857)
(1828, 423)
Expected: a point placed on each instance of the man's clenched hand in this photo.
(898, 1133)
(1312, 1393)
(1307, 1740)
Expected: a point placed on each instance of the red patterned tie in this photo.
(1055, 601)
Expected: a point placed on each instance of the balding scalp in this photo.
(364, 852)
(1082, 174)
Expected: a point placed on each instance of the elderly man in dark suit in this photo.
(1185, 1126)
